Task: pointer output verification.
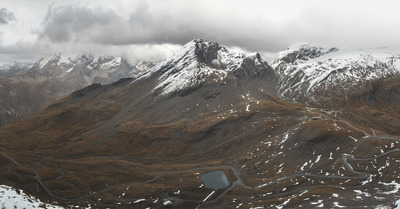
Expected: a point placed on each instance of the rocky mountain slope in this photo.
(147, 141)
(27, 89)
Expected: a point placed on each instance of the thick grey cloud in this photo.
(73, 23)
(6, 16)
(267, 26)
(80, 24)
(145, 26)
(253, 26)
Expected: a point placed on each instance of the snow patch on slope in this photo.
(12, 198)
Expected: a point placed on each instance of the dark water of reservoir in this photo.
(215, 179)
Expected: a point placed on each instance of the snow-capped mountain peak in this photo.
(303, 52)
(310, 69)
(57, 59)
(201, 61)
(8, 69)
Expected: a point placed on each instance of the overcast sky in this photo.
(154, 29)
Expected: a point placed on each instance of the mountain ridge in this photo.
(203, 61)
(303, 79)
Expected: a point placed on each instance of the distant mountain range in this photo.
(8, 69)
(29, 88)
(315, 128)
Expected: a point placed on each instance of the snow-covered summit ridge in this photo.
(200, 61)
(85, 59)
(7, 66)
(303, 51)
(58, 58)
(307, 69)
(8, 69)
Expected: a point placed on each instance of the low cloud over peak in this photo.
(6, 16)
